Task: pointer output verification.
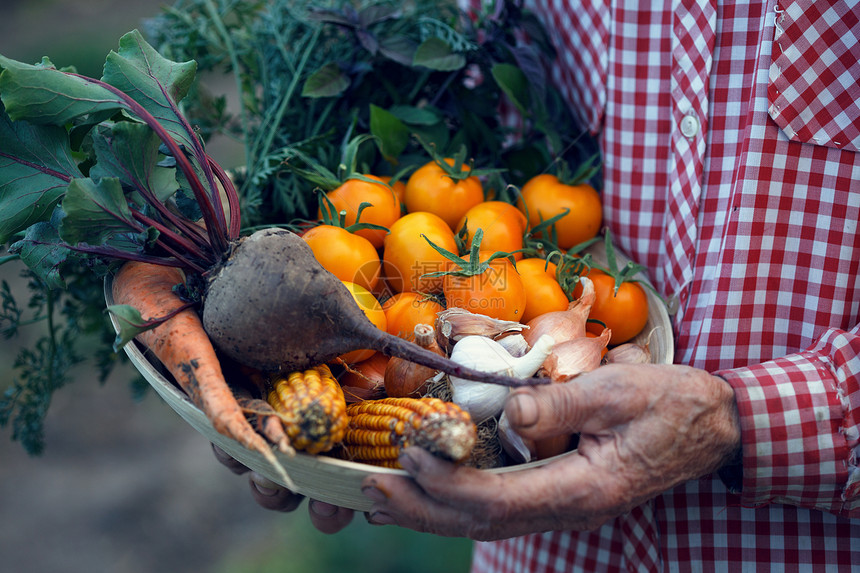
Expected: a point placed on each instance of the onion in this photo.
(364, 380)
(630, 352)
(575, 357)
(564, 325)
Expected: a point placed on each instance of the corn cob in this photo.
(379, 429)
(312, 407)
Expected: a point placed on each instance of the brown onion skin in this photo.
(365, 380)
(405, 379)
(563, 325)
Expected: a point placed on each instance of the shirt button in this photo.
(689, 126)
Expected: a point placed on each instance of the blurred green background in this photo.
(124, 485)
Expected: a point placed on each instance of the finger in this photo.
(400, 501)
(445, 499)
(610, 396)
(547, 411)
(271, 495)
(329, 518)
(229, 461)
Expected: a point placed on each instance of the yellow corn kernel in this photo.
(379, 429)
(312, 407)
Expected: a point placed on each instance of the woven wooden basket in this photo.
(328, 479)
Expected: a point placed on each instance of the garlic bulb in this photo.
(483, 400)
(564, 325)
(575, 357)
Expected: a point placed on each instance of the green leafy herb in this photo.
(89, 173)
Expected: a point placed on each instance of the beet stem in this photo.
(391, 345)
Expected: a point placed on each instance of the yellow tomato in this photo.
(543, 294)
(534, 265)
(384, 210)
(347, 256)
(408, 256)
(498, 292)
(431, 190)
(502, 223)
(544, 197)
(372, 310)
(405, 310)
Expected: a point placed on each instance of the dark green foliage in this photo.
(310, 74)
(69, 326)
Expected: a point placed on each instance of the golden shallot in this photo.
(405, 379)
(576, 356)
(564, 325)
(631, 352)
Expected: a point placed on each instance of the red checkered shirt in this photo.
(730, 133)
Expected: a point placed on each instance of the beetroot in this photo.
(273, 307)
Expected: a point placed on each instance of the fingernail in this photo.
(267, 491)
(379, 518)
(264, 485)
(373, 494)
(322, 508)
(408, 463)
(523, 410)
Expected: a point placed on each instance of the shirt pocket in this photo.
(814, 77)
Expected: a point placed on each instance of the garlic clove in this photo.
(455, 323)
(515, 344)
(514, 445)
(628, 353)
(481, 400)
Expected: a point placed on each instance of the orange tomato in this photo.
(543, 295)
(544, 196)
(431, 190)
(407, 254)
(534, 265)
(372, 310)
(405, 310)
(624, 312)
(502, 223)
(498, 292)
(385, 209)
(398, 186)
(347, 256)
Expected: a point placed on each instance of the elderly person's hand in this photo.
(325, 517)
(643, 429)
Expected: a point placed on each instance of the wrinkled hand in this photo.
(325, 517)
(643, 429)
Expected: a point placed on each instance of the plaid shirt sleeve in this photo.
(800, 424)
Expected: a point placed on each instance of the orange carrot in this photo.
(182, 345)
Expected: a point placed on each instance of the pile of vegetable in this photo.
(417, 270)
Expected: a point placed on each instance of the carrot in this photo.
(183, 346)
